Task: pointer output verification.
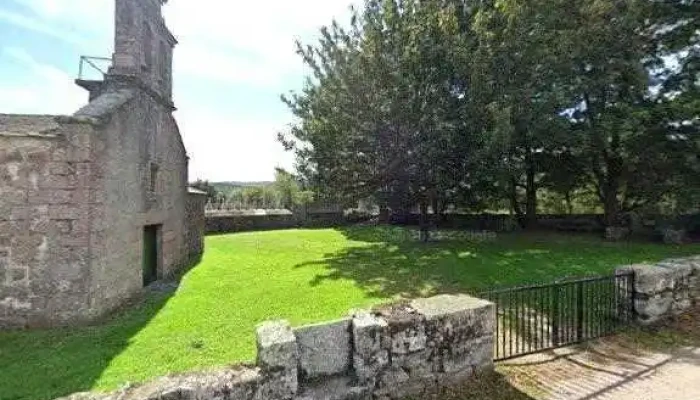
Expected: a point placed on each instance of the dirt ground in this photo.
(655, 364)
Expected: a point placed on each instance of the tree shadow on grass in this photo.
(46, 364)
(387, 262)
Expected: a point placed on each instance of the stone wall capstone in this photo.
(409, 349)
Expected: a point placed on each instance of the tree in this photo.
(289, 190)
(213, 195)
(624, 126)
(381, 118)
(518, 64)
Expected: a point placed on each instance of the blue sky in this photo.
(234, 59)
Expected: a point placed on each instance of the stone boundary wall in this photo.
(216, 224)
(506, 223)
(196, 223)
(404, 350)
(222, 223)
(664, 289)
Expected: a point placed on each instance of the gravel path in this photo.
(607, 370)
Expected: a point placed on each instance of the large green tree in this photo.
(381, 116)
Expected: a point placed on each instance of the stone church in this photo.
(95, 206)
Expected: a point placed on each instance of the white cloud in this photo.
(223, 148)
(35, 25)
(247, 41)
(45, 89)
(223, 46)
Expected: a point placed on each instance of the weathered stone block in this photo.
(650, 279)
(406, 329)
(370, 345)
(61, 168)
(59, 182)
(680, 268)
(13, 196)
(277, 347)
(396, 383)
(281, 385)
(324, 349)
(51, 196)
(67, 212)
(455, 326)
(451, 312)
(674, 236)
(335, 388)
(654, 308)
(615, 233)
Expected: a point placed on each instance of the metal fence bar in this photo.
(541, 317)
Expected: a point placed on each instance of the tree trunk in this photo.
(515, 205)
(569, 205)
(384, 217)
(611, 188)
(610, 207)
(531, 202)
(424, 223)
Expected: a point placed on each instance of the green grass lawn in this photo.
(300, 275)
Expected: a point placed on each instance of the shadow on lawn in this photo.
(70, 360)
(390, 263)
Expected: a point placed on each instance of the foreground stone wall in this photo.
(406, 350)
(664, 289)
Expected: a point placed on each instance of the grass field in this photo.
(300, 275)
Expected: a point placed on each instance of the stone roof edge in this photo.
(98, 110)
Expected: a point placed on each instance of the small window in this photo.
(153, 181)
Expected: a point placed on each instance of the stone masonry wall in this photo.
(47, 201)
(75, 196)
(664, 289)
(194, 234)
(144, 183)
(413, 349)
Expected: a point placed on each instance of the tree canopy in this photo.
(496, 104)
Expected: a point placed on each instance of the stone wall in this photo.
(76, 194)
(664, 289)
(143, 183)
(506, 223)
(227, 223)
(47, 203)
(406, 350)
(196, 224)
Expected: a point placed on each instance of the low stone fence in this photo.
(664, 289)
(411, 349)
(195, 224)
(231, 223)
(506, 223)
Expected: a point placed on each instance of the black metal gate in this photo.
(531, 319)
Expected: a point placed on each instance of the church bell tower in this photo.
(143, 51)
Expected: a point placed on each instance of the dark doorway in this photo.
(151, 254)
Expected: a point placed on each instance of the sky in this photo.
(234, 60)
